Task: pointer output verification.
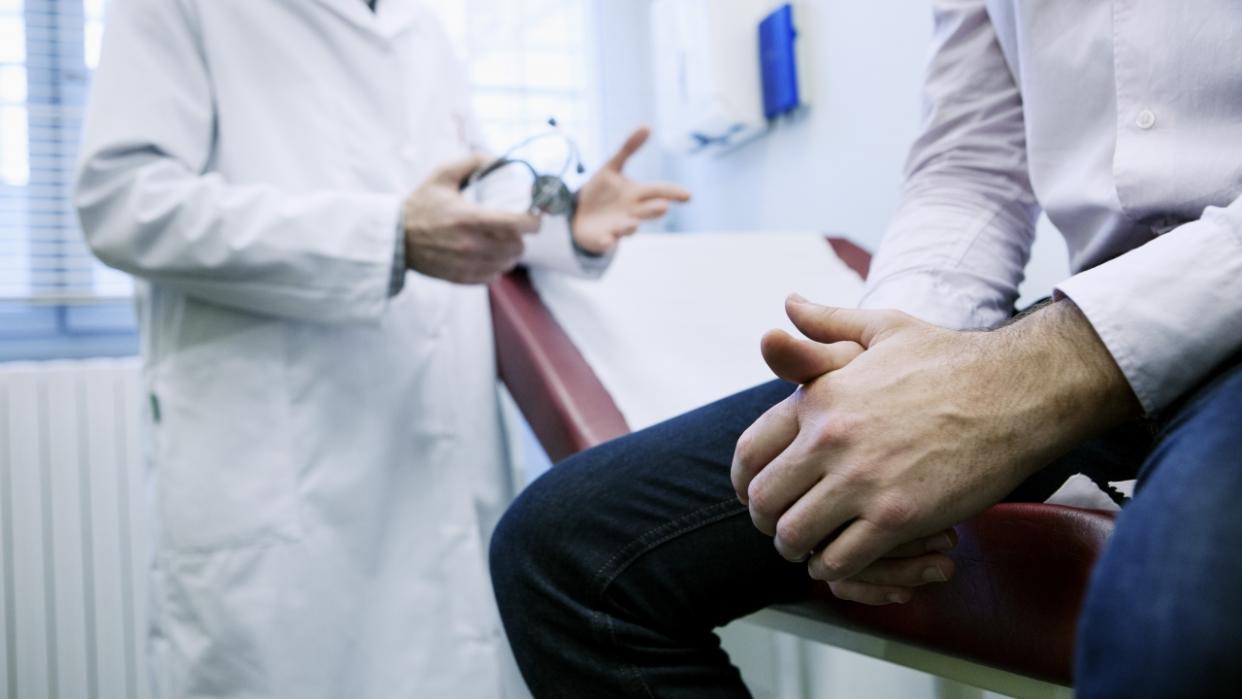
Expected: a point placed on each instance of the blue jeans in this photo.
(613, 570)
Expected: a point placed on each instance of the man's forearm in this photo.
(1075, 387)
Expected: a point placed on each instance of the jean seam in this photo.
(634, 550)
(659, 535)
(630, 668)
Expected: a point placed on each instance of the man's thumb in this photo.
(802, 361)
(830, 324)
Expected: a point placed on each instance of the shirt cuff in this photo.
(1169, 311)
(930, 297)
(553, 248)
(397, 282)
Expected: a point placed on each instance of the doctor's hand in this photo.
(922, 429)
(611, 206)
(450, 238)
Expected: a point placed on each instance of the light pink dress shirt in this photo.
(1122, 120)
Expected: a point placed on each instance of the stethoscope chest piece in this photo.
(550, 195)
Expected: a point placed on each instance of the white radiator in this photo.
(73, 589)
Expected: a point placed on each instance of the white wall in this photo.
(625, 92)
(836, 167)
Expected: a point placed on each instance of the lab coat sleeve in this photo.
(552, 247)
(1169, 311)
(149, 205)
(956, 249)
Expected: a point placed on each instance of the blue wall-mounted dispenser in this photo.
(778, 60)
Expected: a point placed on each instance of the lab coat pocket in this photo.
(223, 451)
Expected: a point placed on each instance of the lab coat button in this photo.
(1146, 119)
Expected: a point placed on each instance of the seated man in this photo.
(1124, 123)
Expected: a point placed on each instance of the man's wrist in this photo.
(1079, 387)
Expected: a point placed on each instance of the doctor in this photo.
(326, 444)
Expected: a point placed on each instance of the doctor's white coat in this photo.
(328, 461)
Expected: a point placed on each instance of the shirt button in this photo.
(1146, 119)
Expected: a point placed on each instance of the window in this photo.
(56, 300)
(528, 59)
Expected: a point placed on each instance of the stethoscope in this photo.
(549, 194)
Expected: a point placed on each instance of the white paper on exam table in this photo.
(676, 321)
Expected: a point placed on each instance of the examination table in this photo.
(1006, 621)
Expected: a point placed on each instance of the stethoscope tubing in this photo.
(573, 155)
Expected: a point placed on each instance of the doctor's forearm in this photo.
(323, 256)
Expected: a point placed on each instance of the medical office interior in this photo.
(789, 146)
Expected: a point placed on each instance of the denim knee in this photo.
(513, 554)
(535, 548)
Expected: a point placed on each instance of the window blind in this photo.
(48, 49)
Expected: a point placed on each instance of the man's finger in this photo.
(908, 572)
(865, 593)
(455, 173)
(628, 149)
(664, 190)
(861, 544)
(470, 274)
(502, 254)
(831, 324)
(787, 479)
(812, 520)
(802, 361)
(484, 270)
(763, 441)
(938, 543)
(502, 224)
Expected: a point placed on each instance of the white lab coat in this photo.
(328, 461)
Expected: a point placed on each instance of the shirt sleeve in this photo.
(1169, 311)
(955, 251)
